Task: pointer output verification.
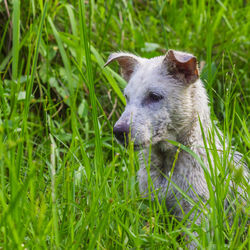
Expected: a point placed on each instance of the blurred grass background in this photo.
(65, 183)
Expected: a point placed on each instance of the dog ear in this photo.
(182, 66)
(127, 62)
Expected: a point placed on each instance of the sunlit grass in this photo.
(64, 180)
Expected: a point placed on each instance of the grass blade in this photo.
(85, 39)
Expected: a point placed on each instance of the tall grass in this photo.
(65, 182)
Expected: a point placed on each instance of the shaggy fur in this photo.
(165, 100)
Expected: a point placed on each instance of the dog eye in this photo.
(153, 97)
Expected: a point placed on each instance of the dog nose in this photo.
(121, 132)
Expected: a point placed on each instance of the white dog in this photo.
(166, 101)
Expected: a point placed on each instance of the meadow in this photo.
(65, 182)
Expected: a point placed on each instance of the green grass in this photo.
(64, 180)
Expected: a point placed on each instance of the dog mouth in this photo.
(137, 146)
(133, 144)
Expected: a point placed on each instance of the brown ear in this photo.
(182, 66)
(127, 62)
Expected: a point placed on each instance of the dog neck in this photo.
(189, 135)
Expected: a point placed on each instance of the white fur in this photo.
(175, 117)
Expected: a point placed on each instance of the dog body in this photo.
(166, 100)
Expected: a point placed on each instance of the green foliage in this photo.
(64, 180)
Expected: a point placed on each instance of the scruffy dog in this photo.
(166, 101)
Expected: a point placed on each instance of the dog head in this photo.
(158, 95)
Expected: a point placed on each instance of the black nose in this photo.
(121, 132)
